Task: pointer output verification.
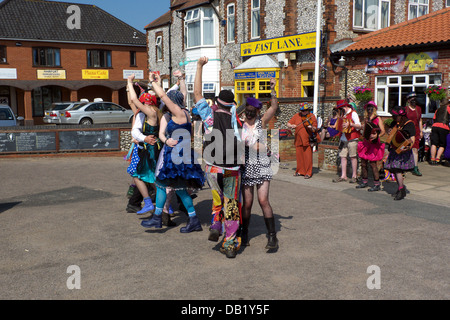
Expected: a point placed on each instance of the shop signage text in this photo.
(51, 74)
(283, 44)
(8, 73)
(138, 74)
(255, 75)
(95, 74)
(412, 62)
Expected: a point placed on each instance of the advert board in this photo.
(89, 140)
(27, 141)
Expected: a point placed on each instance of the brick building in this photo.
(222, 29)
(63, 52)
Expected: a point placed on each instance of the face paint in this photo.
(250, 114)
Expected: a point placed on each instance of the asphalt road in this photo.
(63, 223)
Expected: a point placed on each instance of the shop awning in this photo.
(258, 62)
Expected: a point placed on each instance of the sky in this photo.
(136, 13)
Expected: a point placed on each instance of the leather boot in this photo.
(154, 222)
(148, 206)
(272, 242)
(167, 221)
(416, 172)
(401, 194)
(192, 225)
(244, 232)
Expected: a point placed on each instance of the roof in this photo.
(47, 21)
(430, 29)
(258, 62)
(181, 5)
(161, 21)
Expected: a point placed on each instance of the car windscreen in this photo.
(6, 114)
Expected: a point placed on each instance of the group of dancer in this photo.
(162, 157)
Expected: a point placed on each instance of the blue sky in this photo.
(136, 13)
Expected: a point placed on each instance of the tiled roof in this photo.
(186, 4)
(433, 28)
(163, 20)
(47, 21)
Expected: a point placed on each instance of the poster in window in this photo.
(411, 62)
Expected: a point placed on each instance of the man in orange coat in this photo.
(305, 125)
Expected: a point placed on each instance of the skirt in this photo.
(400, 162)
(370, 151)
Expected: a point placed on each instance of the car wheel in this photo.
(86, 121)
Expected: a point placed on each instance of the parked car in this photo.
(7, 117)
(52, 115)
(96, 112)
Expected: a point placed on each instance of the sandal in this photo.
(307, 176)
(340, 179)
(297, 174)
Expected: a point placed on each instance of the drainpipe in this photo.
(170, 52)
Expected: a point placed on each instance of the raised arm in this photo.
(178, 114)
(270, 113)
(133, 98)
(198, 79)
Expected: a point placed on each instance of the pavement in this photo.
(63, 224)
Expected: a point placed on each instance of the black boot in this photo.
(244, 232)
(167, 221)
(401, 194)
(272, 242)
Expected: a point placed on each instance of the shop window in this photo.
(417, 8)
(251, 86)
(46, 57)
(231, 20)
(43, 97)
(199, 27)
(159, 54)
(3, 54)
(99, 59)
(240, 85)
(255, 20)
(264, 85)
(371, 14)
(391, 91)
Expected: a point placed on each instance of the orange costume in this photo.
(302, 142)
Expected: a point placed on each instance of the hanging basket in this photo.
(363, 94)
(435, 92)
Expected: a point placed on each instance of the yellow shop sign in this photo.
(95, 74)
(276, 45)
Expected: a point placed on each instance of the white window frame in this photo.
(419, 82)
(159, 53)
(231, 23)
(209, 87)
(197, 15)
(447, 3)
(255, 34)
(378, 16)
(415, 6)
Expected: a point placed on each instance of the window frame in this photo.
(418, 82)
(254, 10)
(195, 16)
(133, 59)
(379, 13)
(55, 56)
(159, 48)
(3, 54)
(107, 58)
(447, 3)
(233, 17)
(417, 5)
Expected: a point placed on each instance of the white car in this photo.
(7, 117)
(96, 113)
(52, 115)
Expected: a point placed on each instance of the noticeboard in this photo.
(27, 141)
(89, 140)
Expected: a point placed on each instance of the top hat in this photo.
(342, 104)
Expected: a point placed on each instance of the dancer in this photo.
(305, 124)
(222, 146)
(176, 168)
(257, 170)
(145, 130)
(401, 139)
(414, 113)
(371, 150)
(439, 132)
(349, 125)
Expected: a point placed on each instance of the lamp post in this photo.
(342, 65)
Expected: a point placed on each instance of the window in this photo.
(3, 54)
(159, 48)
(99, 59)
(46, 57)
(256, 31)
(391, 91)
(371, 14)
(417, 8)
(133, 62)
(208, 87)
(447, 3)
(43, 97)
(199, 27)
(231, 20)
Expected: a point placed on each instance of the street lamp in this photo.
(342, 65)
